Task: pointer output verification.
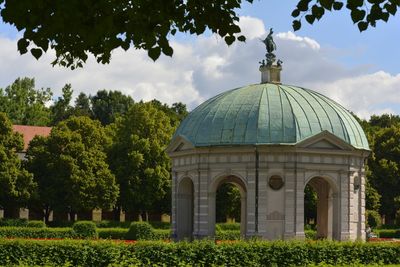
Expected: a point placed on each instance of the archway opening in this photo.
(321, 208)
(185, 209)
(230, 202)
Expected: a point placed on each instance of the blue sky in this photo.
(359, 70)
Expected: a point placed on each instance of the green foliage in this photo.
(204, 253)
(227, 226)
(140, 231)
(113, 224)
(138, 158)
(310, 205)
(70, 167)
(228, 202)
(363, 13)
(112, 233)
(16, 184)
(32, 232)
(310, 234)
(160, 225)
(13, 222)
(373, 218)
(24, 104)
(227, 235)
(99, 27)
(85, 229)
(108, 105)
(36, 224)
(61, 109)
(387, 233)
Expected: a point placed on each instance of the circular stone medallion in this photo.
(275, 182)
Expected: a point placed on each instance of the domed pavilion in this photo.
(270, 140)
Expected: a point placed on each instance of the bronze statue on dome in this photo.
(270, 47)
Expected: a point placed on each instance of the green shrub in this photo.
(373, 218)
(60, 224)
(227, 234)
(311, 234)
(13, 222)
(26, 232)
(227, 226)
(203, 253)
(161, 234)
(36, 224)
(388, 233)
(113, 224)
(85, 229)
(160, 225)
(140, 231)
(112, 233)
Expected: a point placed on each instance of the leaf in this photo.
(337, 5)
(357, 15)
(167, 50)
(362, 26)
(22, 46)
(36, 52)
(295, 13)
(242, 38)
(229, 39)
(327, 4)
(385, 16)
(302, 5)
(296, 25)
(154, 53)
(317, 11)
(173, 31)
(310, 18)
(391, 8)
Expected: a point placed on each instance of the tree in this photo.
(107, 105)
(310, 205)
(138, 158)
(228, 203)
(384, 165)
(101, 26)
(16, 184)
(70, 167)
(364, 13)
(177, 112)
(61, 108)
(24, 104)
(82, 106)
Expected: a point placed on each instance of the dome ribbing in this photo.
(266, 114)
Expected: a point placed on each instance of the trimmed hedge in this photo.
(388, 233)
(25, 232)
(227, 226)
(36, 224)
(13, 222)
(85, 229)
(204, 253)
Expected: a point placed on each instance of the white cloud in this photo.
(205, 67)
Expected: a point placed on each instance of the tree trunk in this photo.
(117, 213)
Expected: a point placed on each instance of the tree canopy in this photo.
(364, 13)
(138, 157)
(16, 184)
(70, 167)
(24, 104)
(76, 28)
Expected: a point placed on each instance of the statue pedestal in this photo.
(270, 74)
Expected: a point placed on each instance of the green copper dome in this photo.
(268, 113)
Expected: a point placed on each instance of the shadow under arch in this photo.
(185, 209)
(242, 186)
(328, 205)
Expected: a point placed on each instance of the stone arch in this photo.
(328, 205)
(213, 187)
(185, 208)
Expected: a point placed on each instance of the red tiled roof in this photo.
(29, 132)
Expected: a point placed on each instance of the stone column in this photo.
(173, 204)
(204, 211)
(290, 205)
(299, 227)
(344, 226)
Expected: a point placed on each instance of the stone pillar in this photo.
(173, 203)
(300, 180)
(290, 205)
(344, 214)
(204, 211)
(361, 208)
(262, 201)
(251, 203)
(96, 215)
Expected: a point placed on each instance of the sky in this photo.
(361, 71)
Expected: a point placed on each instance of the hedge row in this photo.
(204, 253)
(388, 233)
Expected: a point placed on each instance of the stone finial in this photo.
(271, 74)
